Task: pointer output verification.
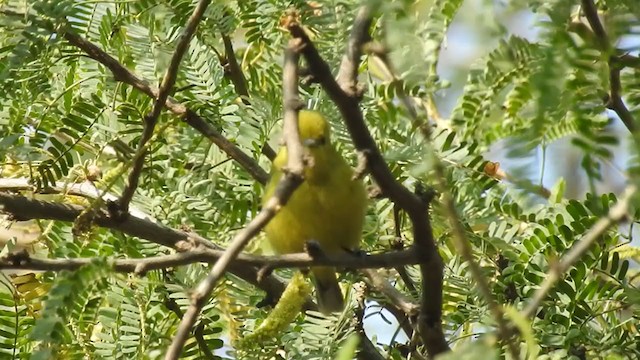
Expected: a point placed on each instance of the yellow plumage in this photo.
(328, 207)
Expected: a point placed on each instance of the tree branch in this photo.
(292, 178)
(85, 189)
(21, 261)
(343, 96)
(138, 225)
(348, 72)
(615, 102)
(350, 111)
(615, 63)
(591, 12)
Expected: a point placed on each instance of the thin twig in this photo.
(380, 54)
(173, 306)
(151, 119)
(459, 235)
(591, 12)
(292, 178)
(398, 244)
(402, 307)
(86, 189)
(366, 349)
(615, 102)
(616, 214)
(292, 104)
(405, 323)
(464, 249)
(233, 71)
(615, 63)
(198, 333)
(398, 299)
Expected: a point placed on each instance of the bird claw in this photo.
(355, 252)
(313, 248)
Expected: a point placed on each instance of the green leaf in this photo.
(348, 348)
(557, 192)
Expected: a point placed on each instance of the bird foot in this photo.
(313, 248)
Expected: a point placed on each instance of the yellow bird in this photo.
(328, 207)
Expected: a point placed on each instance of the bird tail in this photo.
(328, 291)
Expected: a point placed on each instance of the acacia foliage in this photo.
(61, 111)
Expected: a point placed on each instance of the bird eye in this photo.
(314, 142)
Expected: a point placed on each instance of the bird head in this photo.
(314, 129)
(315, 133)
(320, 156)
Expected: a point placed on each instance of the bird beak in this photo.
(313, 142)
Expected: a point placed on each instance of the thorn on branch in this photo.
(375, 48)
(425, 193)
(290, 17)
(375, 192)
(541, 314)
(116, 211)
(184, 88)
(307, 77)
(360, 294)
(15, 217)
(363, 164)
(140, 269)
(264, 271)
(19, 258)
(172, 306)
(294, 104)
(397, 244)
(186, 245)
(358, 91)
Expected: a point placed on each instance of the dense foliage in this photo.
(63, 115)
